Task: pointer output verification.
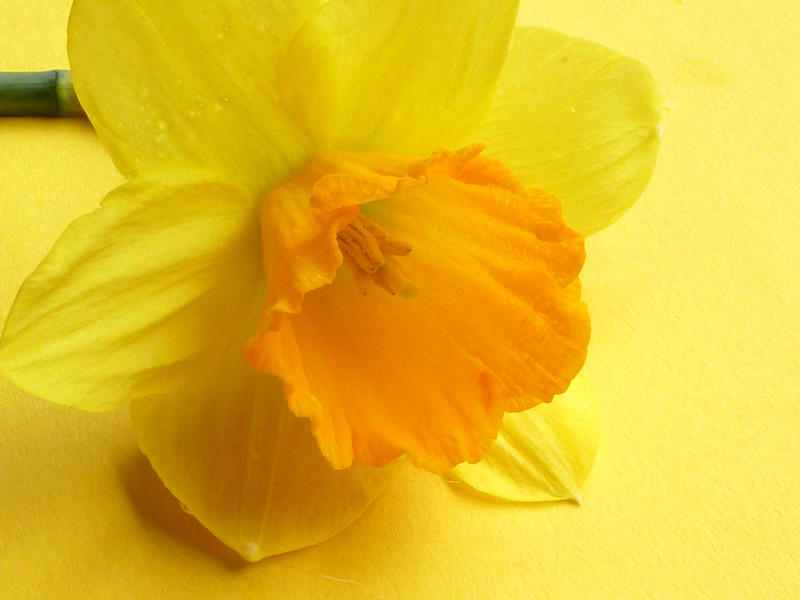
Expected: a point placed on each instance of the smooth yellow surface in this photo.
(694, 363)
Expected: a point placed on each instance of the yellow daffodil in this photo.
(333, 248)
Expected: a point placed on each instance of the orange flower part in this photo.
(412, 302)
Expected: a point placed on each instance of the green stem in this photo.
(41, 94)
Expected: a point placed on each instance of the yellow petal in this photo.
(229, 449)
(395, 75)
(496, 322)
(137, 296)
(544, 453)
(575, 119)
(190, 82)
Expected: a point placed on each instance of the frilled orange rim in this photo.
(412, 302)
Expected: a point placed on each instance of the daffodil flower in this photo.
(352, 231)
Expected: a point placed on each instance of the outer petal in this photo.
(188, 81)
(577, 120)
(545, 453)
(496, 324)
(139, 296)
(245, 467)
(395, 75)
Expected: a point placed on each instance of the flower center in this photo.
(370, 252)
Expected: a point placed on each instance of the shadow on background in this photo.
(48, 126)
(158, 508)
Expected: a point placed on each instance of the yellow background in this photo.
(694, 360)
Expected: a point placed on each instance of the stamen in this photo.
(361, 246)
(369, 251)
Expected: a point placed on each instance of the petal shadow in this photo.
(159, 509)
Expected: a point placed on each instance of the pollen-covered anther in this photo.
(369, 251)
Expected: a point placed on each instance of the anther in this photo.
(369, 250)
